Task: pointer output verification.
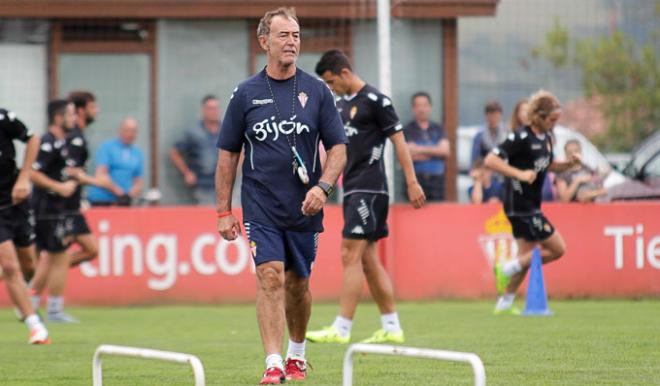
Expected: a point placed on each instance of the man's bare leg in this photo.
(13, 278)
(378, 280)
(89, 249)
(298, 311)
(352, 252)
(27, 259)
(270, 310)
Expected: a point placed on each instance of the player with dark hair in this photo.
(524, 158)
(78, 153)
(16, 219)
(54, 228)
(369, 120)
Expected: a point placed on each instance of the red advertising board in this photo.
(160, 255)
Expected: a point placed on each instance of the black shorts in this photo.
(54, 233)
(80, 226)
(531, 228)
(365, 216)
(17, 225)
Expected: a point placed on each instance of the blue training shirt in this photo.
(124, 164)
(271, 193)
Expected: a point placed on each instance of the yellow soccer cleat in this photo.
(382, 336)
(327, 335)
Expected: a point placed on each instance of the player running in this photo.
(74, 149)
(16, 220)
(369, 119)
(278, 117)
(524, 158)
(54, 229)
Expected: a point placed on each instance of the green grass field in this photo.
(585, 343)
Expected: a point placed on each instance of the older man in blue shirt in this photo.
(123, 162)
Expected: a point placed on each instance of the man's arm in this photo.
(180, 164)
(415, 192)
(225, 176)
(136, 189)
(566, 191)
(21, 189)
(63, 189)
(441, 149)
(500, 166)
(334, 165)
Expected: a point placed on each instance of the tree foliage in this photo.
(622, 75)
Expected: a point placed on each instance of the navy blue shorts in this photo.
(297, 250)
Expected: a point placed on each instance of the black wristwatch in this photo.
(325, 187)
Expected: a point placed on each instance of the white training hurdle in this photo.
(145, 353)
(476, 363)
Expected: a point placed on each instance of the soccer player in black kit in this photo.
(76, 153)
(53, 187)
(369, 120)
(16, 220)
(524, 158)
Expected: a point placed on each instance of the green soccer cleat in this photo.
(327, 335)
(501, 280)
(508, 311)
(382, 336)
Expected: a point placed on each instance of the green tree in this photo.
(623, 76)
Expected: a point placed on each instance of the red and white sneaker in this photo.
(273, 376)
(39, 335)
(296, 369)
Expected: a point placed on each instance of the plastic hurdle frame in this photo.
(453, 356)
(145, 353)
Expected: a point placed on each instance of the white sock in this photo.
(32, 321)
(505, 302)
(54, 304)
(343, 325)
(511, 267)
(296, 350)
(390, 322)
(274, 360)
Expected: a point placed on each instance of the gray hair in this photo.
(264, 24)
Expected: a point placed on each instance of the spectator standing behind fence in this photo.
(123, 162)
(428, 147)
(579, 183)
(491, 135)
(485, 187)
(195, 154)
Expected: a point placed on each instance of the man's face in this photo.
(128, 131)
(211, 111)
(69, 117)
(90, 112)
(421, 108)
(494, 118)
(550, 121)
(283, 42)
(337, 83)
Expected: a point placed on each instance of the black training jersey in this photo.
(525, 150)
(51, 161)
(76, 145)
(369, 118)
(11, 128)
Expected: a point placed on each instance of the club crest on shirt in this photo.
(302, 97)
(353, 112)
